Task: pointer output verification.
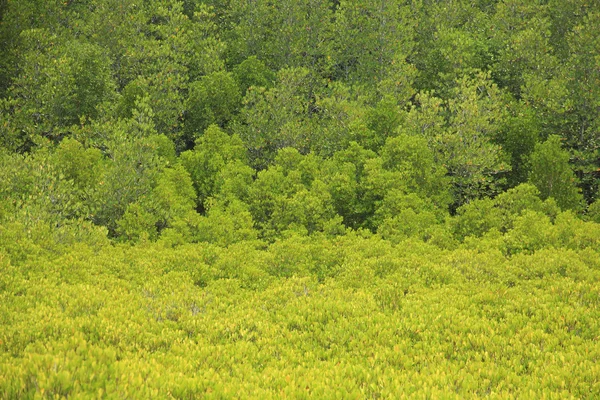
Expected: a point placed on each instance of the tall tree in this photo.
(214, 99)
(521, 40)
(372, 37)
(583, 76)
(453, 40)
(551, 173)
(61, 83)
(278, 117)
(461, 132)
(284, 34)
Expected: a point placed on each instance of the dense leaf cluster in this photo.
(288, 198)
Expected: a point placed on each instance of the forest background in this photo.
(362, 150)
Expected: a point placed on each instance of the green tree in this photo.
(225, 224)
(83, 167)
(217, 165)
(532, 231)
(518, 134)
(338, 117)
(372, 39)
(593, 212)
(582, 71)
(18, 17)
(565, 15)
(61, 82)
(481, 216)
(253, 72)
(156, 50)
(404, 173)
(345, 175)
(404, 215)
(525, 196)
(472, 159)
(551, 173)
(214, 99)
(290, 197)
(277, 118)
(452, 40)
(521, 38)
(460, 132)
(382, 120)
(169, 208)
(284, 34)
(414, 167)
(131, 173)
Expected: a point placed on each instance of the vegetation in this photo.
(301, 199)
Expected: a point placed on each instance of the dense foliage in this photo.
(308, 198)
